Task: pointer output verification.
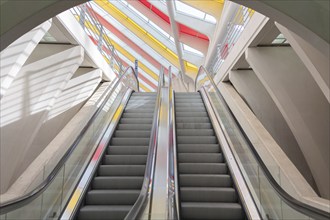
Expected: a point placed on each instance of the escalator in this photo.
(117, 184)
(206, 189)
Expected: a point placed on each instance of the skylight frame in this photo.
(191, 50)
(203, 16)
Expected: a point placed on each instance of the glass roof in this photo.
(191, 11)
(137, 32)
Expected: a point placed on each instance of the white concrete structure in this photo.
(53, 76)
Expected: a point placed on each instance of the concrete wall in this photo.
(19, 17)
(260, 102)
(301, 102)
(16, 54)
(25, 107)
(315, 61)
(308, 19)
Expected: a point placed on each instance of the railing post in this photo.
(82, 16)
(100, 42)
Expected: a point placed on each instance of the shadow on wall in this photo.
(25, 108)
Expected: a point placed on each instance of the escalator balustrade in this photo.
(118, 181)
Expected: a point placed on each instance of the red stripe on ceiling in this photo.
(143, 78)
(182, 28)
(129, 42)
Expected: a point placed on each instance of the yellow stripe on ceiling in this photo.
(213, 8)
(132, 59)
(139, 32)
(123, 52)
(144, 87)
(191, 69)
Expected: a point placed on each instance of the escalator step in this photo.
(190, 105)
(129, 141)
(139, 110)
(194, 125)
(112, 197)
(122, 150)
(187, 109)
(192, 120)
(125, 159)
(189, 100)
(191, 114)
(103, 212)
(208, 194)
(200, 158)
(205, 180)
(117, 182)
(203, 168)
(199, 148)
(197, 140)
(206, 211)
(121, 170)
(134, 127)
(195, 132)
(132, 133)
(145, 94)
(137, 115)
(136, 121)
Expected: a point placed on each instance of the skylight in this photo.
(181, 7)
(138, 13)
(192, 50)
(193, 12)
(159, 29)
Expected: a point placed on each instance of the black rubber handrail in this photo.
(27, 198)
(297, 205)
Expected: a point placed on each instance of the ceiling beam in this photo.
(175, 31)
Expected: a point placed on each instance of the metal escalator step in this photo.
(137, 115)
(191, 105)
(200, 158)
(112, 197)
(199, 148)
(209, 211)
(121, 170)
(203, 168)
(187, 93)
(192, 120)
(125, 159)
(188, 109)
(195, 132)
(208, 194)
(194, 125)
(131, 133)
(117, 182)
(188, 100)
(135, 121)
(143, 98)
(141, 110)
(144, 94)
(191, 114)
(129, 150)
(129, 141)
(134, 127)
(197, 140)
(205, 180)
(103, 212)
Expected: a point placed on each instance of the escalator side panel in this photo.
(118, 181)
